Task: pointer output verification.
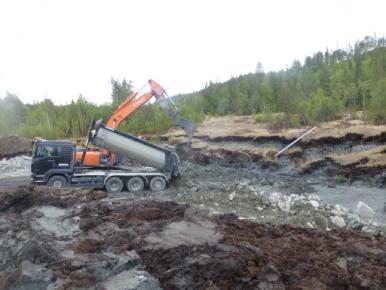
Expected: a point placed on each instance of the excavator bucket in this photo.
(188, 126)
(172, 111)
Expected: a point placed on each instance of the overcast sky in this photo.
(59, 49)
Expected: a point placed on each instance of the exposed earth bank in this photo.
(346, 150)
(13, 145)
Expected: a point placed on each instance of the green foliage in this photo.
(120, 91)
(377, 109)
(279, 120)
(327, 84)
(318, 108)
(324, 87)
(12, 114)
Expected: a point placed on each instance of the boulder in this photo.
(280, 200)
(338, 221)
(364, 211)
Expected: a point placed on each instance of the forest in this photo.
(325, 87)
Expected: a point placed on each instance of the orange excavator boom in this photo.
(133, 102)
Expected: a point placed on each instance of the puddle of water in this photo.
(349, 196)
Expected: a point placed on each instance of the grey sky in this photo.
(59, 49)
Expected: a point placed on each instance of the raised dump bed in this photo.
(136, 149)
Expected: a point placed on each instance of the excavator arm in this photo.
(134, 102)
(127, 108)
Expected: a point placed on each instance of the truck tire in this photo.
(114, 185)
(135, 184)
(57, 181)
(157, 183)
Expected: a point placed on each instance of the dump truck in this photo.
(54, 163)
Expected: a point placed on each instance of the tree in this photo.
(12, 114)
(121, 90)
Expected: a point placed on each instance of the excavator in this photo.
(125, 110)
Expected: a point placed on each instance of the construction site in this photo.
(257, 162)
(238, 216)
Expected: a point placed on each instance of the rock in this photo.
(5, 225)
(314, 197)
(369, 230)
(320, 221)
(364, 211)
(126, 261)
(339, 210)
(15, 164)
(28, 276)
(131, 279)
(232, 196)
(342, 263)
(309, 225)
(29, 251)
(58, 284)
(338, 221)
(314, 203)
(353, 220)
(195, 189)
(281, 200)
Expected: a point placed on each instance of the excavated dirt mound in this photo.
(255, 256)
(247, 256)
(13, 145)
(25, 197)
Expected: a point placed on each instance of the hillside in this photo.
(324, 87)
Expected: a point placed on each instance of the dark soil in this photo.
(25, 197)
(250, 255)
(13, 145)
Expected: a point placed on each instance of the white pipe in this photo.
(292, 143)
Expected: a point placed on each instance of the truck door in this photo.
(46, 158)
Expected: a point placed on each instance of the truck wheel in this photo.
(157, 183)
(114, 185)
(57, 181)
(135, 184)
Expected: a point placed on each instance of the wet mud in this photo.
(154, 244)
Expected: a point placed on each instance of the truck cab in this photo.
(52, 158)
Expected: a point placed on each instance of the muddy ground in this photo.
(81, 239)
(346, 150)
(237, 218)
